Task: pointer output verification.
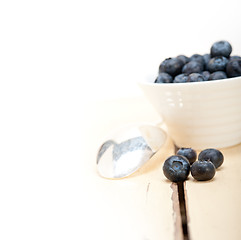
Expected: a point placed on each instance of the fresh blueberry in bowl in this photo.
(192, 67)
(181, 78)
(234, 58)
(176, 168)
(184, 59)
(206, 58)
(213, 155)
(197, 57)
(217, 64)
(171, 66)
(217, 75)
(164, 78)
(195, 77)
(202, 170)
(221, 48)
(233, 68)
(206, 75)
(189, 153)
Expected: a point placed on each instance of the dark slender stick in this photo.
(182, 206)
(183, 210)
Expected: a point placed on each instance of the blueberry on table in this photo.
(171, 66)
(206, 75)
(212, 154)
(203, 170)
(217, 64)
(217, 75)
(188, 153)
(233, 68)
(164, 78)
(176, 168)
(221, 48)
(196, 77)
(192, 67)
(181, 78)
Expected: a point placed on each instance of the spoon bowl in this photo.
(128, 149)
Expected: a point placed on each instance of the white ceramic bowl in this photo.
(199, 114)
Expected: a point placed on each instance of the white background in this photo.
(56, 57)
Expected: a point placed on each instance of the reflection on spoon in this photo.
(128, 150)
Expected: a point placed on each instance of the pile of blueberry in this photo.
(177, 167)
(218, 64)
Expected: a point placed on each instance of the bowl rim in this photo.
(212, 82)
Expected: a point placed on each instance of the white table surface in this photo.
(50, 188)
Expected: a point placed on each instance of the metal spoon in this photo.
(129, 149)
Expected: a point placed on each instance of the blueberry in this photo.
(181, 78)
(206, 58)
(214, 155)
(234, 58)
(171, 66)
(198, 58)
(217, 64)
(195, 77)
(176, 168)
(192, 67)
(184, 59)
(203, 170)
(221, 48)
(206, 75)
(189, 153)
(233, 68)
(217, 75)
(164, 78)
